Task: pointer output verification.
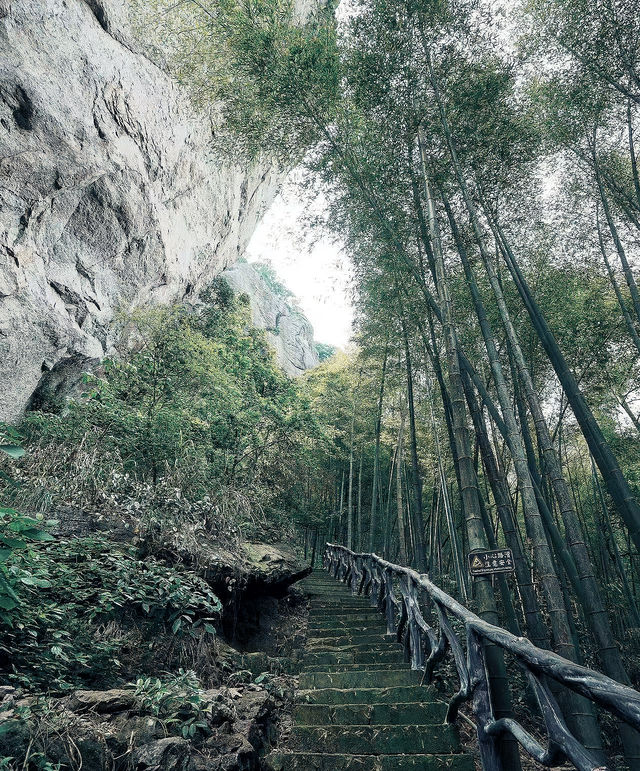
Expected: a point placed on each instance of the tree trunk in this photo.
(359, 546)
(625, 313)
(418, 519)
(499, 488)
(374, 523)
(587, 589)
(615, 481)
(402, 538)
(483, 588)
(350, 493)
(626, 268)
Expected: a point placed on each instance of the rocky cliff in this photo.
(289, 331)
(110, 196)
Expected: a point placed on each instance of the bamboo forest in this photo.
(227, 546)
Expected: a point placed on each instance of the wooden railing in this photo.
(401, 594)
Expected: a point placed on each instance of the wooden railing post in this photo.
(481, 704)
(389, 603)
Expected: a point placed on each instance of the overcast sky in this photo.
(317, 273)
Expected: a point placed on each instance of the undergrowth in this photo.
(188, 441)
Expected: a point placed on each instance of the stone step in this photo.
(343, 601)
(412, 713)
(338, 597)
(349, 641)
(342, 610)
(360, 707)
(305, 761)
(336, 605)
(337, 600)
(373, 678)
(318, 587)
(347, 625)
(378, 647)
(359, 634)
(398, 694)
(356, 667)
(360, 619)
(366, 656)
(376, 740)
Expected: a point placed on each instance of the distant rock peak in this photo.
(289, 332)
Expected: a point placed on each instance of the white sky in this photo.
(316, 271)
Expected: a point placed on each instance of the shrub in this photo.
(55, 637)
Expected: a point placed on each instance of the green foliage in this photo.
(268, 69)
(71, 589)
(200, 407)
(17, 531)
(195, 435)
(176, 700)
(10, 440)
(325, 351)
(268, 274)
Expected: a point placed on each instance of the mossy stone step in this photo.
(372, 678)
(390, 695)
(359, 635)
(306, 761)
(327, 587)
(331, 600)
(360, 625)
(351, 616)
(355, 650)
(362, 666)
(350, 641)
(361, 619)
(413, 713)
(371, 740)
(360, 656)
(343, 602)
(345, 610)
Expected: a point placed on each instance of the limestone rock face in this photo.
(289, 332)
(110, 196)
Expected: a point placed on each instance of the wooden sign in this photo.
(483, 563)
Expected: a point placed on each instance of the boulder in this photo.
(255, 568)
(273, 566)
(231, 752)
(126, 731)
(114, 700)
(170, 754)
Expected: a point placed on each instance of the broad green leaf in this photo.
(12, 450)
(33, 581)
(6, 589)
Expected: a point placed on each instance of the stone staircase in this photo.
(359, 705)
